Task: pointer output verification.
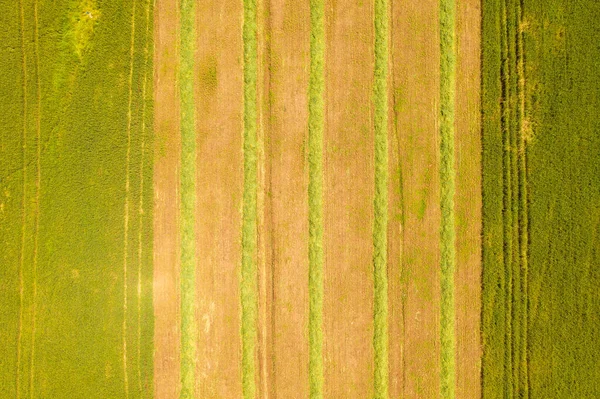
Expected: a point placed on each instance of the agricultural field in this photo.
(540, 225)
(299, 199)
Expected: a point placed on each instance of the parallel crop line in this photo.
(24, 219)
(248, 289)
(188, 198)
(126, 206)
(380, 322)
(38, 182)
(447, 178)
(316, 121)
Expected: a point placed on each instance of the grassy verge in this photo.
(188, 198)
(248, 289)
(316, 122)
(380, 303)
(447, 178)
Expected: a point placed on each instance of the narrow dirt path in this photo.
(348, 201)
(166, 202)
(219, 110)
(468, 201)
(414, 203)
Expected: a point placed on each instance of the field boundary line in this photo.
(316, 122)
(126, 206)
(380, 202)
(24, 218)
(447, 191)
(38, 182)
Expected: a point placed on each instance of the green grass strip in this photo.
(316, 122)
(447, 233)
(188, 198)
(380, 303)
(248, 287)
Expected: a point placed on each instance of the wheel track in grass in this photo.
(24, 209)
(38, 181)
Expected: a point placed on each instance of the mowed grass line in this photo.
(248, 286)
(380, 301)
(447, 189)
(188, 198)
(316, 122)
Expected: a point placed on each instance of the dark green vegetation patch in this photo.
(541, 187)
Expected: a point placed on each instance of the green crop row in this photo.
(187, 39)
(380, 203)
(447, 190)
(248, 289)
(316, 123)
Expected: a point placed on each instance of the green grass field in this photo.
(74, 159)
(540, 139)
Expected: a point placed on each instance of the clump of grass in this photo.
(248, 287)
(447, 232)
(188, 198)
(380, 303)
(315, 195)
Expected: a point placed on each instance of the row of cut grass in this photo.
(315, 195)
(380, 303)
(447, 189)
(188, 197)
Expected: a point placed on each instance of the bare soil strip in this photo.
(348, 200)
(219, 84)
(166, 202)
(468, 201)
(285, 121)
(414, 203)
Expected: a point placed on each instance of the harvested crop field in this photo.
(299, 199)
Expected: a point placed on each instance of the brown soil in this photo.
(283, 347)
(414, 202)
(348, 201)
(468, 202)
(219, 188)
(166, 202)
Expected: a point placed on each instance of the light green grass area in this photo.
(248, 286)
(74, 95)
(188, 198)
(316, 123)
(447, 189)
(541, 187)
